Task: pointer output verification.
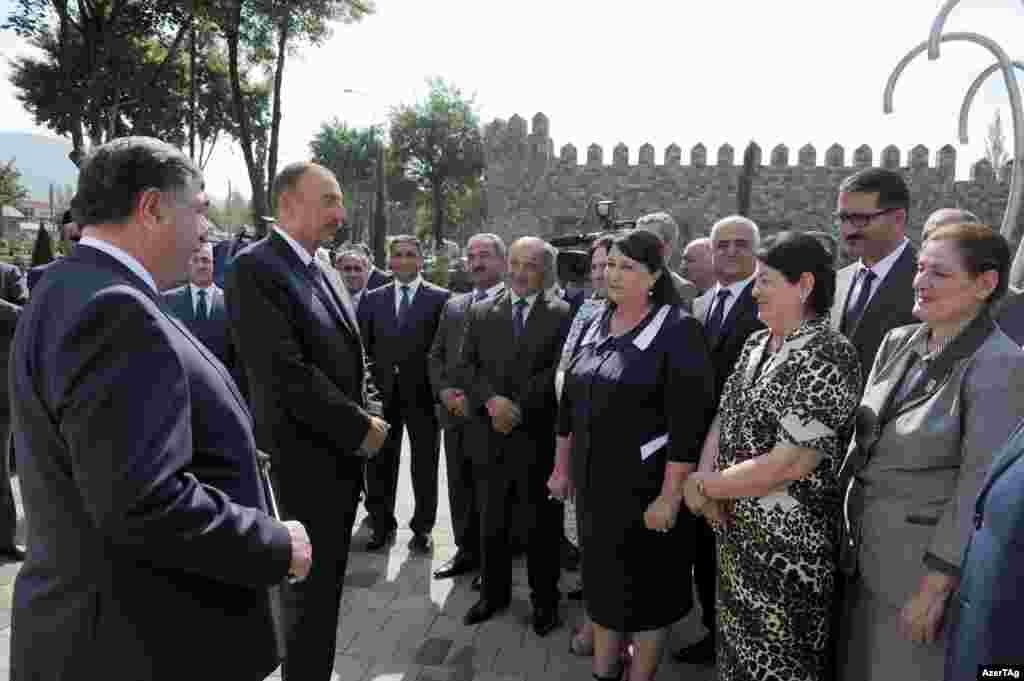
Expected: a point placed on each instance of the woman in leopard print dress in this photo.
(768, 473)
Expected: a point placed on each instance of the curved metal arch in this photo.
(965, 108)
(1005, 63)
(937, 27)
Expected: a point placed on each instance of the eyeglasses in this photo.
(351, 268)
(859, 220)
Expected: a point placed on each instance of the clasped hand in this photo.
(921, 618)
(505, 414)
(661, 514)
(713, 510)
(375, 438)
(560, 485)
(454, 401)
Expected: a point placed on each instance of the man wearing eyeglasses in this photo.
(354, 268)
(875, 293)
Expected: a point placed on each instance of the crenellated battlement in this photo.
(537, 191)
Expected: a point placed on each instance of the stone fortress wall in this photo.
(531, 190)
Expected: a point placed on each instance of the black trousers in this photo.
(462, 490)
(312, 606)
(705, 572)
(417, 415)
(526, 471)
(8, 512)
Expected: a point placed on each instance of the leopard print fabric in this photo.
(775, 558)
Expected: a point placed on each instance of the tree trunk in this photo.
(437, 195)
(192, 86)
(380, 228)
(259, 201)
(275, 123)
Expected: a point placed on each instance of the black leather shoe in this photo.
(483, 610)
(421, 542)
(478, 583)
(13, 552)
(545, 620)
(701, 652)
(379, 540)
(460, 564)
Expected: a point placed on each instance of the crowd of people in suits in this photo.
(830, 461)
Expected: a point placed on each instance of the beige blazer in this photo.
(928, 456)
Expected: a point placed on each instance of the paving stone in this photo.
(350, 668)
(390, 671)
(433, 651)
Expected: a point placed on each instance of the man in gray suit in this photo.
(874, 294)
(667, 229)
(485, 256)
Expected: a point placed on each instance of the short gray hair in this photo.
(550, 265)
(662, 224)
(949, 216)
(353, 253)
(116, 173)
(496, 241)
(738, 220)
(288, 178)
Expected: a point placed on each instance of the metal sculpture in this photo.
(1004, 64)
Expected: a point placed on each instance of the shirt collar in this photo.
(122, 257)
(492, 291)
(530, 299)
(882, 267)
(413, 285)
(300, 250)
(209, 289)
(735, 288)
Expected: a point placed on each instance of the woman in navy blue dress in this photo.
(637, 402)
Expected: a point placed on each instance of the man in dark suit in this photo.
(311, 393)
(70, 233)
(729, 315)
(9, 547)
(667, 229)
(151, 547)
(399, 321)
(376, 277)
(874, 294)
(200, 304)
(510, 354)
(485, 255)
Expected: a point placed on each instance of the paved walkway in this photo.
(400, 624)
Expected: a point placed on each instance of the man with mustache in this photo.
(874, 294)
(485, 258)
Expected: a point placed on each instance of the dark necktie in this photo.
(856, 311)
(403, 306)
(519, 319)
(320, 281)
(202, 312)
(714, 326)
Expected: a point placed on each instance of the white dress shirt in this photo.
(194, 290)
(880, 268)
(491, 292)
(413, 285)
(735, 291)
(122, 257)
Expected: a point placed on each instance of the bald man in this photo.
(697, 264)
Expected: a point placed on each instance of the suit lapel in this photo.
(210, 358)
(740, 311)
(1010, 453)
(891, 293)
(285, 251)
(844, 279)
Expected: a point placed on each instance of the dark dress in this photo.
(777, 571)
(621, 396)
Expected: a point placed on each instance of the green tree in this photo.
(11, 188)
(439, 146)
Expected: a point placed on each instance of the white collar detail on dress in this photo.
(643, 339)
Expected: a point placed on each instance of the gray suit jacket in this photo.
(1009, 315)
(890, 306)
(446, 353)
(929, 455)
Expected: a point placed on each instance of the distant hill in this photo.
(41, 160)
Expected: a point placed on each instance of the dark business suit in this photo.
(523, 371)
(8, 512)
(150, 549)
(741, 321)
(891, 305)
(1010, 316)
(311, 396)
(398, 354)
(990, 599)
(443, 363)
(377, 278)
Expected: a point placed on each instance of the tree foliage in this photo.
(11, 188)
(439, 146)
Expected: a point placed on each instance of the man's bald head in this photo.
(948, 216)
(697, 262)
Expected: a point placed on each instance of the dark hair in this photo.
(891, 187)
(405, 239)
(66, 218)
(792, 254)
(116, 173)
(646, 247)
(288, 178)
(981, 249)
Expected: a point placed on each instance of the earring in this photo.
(803, 297)
(650, 292)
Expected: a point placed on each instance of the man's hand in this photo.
(661, 515)
(454, 401)
(922, 617)
(302, 550)
(560, 485)
(375, 436)
(505, 415)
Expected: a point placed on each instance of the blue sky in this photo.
(792, 72)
